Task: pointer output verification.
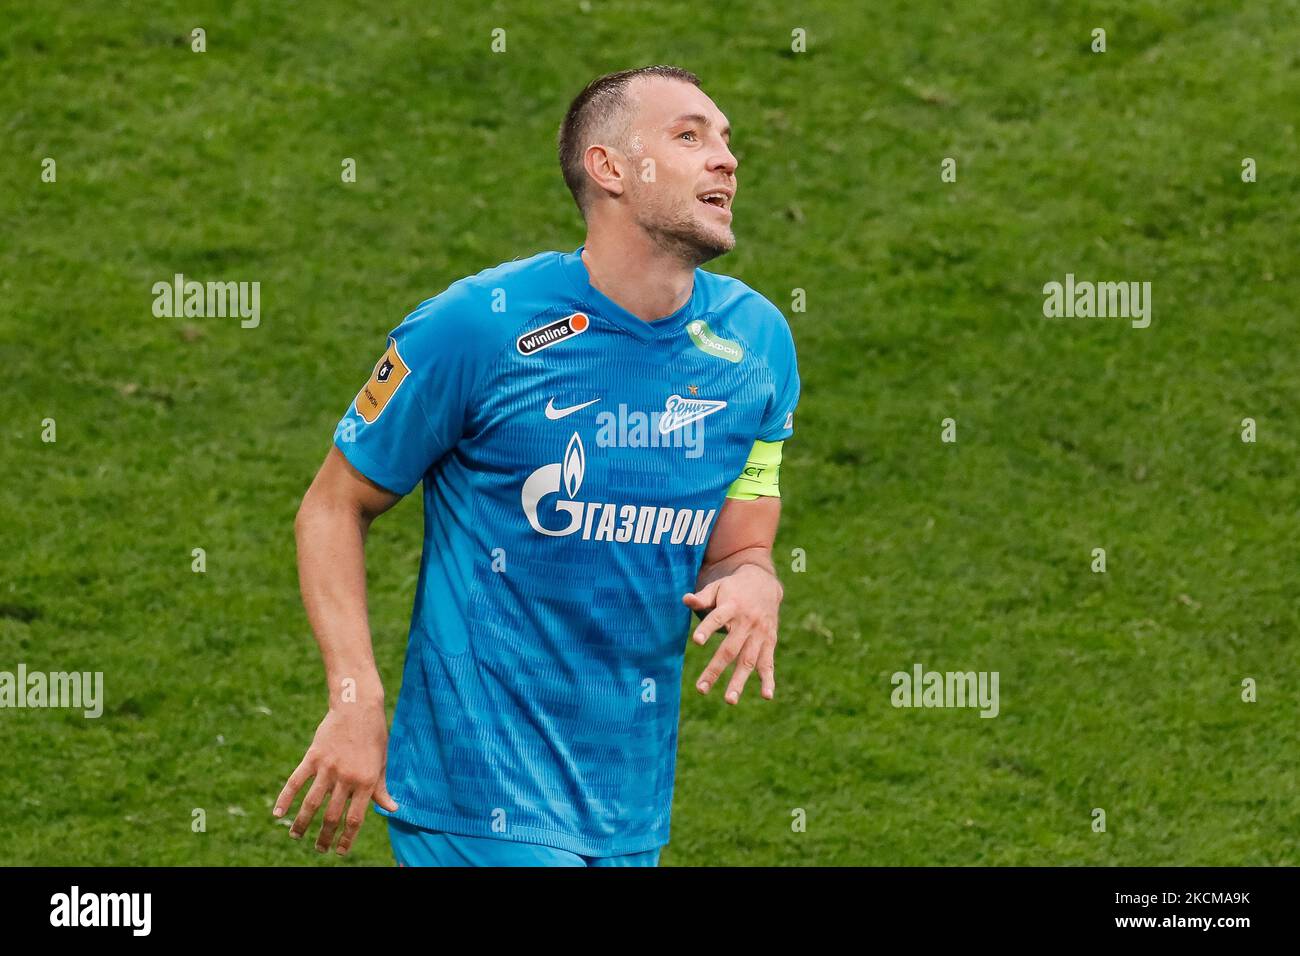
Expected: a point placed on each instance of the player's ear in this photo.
(607, 167)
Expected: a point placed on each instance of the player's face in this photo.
(678, 127)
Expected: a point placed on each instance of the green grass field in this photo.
(1119, 691)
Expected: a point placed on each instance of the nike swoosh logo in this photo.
(553, 413)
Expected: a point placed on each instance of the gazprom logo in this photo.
(574, 466)
(601, 520)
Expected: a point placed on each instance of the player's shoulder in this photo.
(482, 309)
(745, 312)
(488, 286)
(540, 267)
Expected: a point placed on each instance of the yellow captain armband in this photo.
(761, 473)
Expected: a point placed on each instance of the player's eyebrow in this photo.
(702, 120)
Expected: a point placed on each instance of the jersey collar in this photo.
(605, 307)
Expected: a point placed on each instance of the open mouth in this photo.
(718, 200)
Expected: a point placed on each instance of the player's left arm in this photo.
(738, 589)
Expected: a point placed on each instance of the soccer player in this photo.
(598, 434)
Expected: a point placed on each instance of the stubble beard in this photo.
(679, 232)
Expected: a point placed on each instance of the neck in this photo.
(632, 269)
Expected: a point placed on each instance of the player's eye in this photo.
(687, 133)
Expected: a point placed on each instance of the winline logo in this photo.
(558, 331)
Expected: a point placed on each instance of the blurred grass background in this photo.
(1119, 691)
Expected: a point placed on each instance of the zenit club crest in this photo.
(551, 333)
(680, 411)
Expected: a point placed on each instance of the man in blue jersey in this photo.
(598, 437)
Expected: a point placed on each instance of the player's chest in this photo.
(664, 419)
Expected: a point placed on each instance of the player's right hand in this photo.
(347, 759)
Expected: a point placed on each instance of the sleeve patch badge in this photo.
(390, 371)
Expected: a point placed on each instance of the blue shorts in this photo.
(415, 846)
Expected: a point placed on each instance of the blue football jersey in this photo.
(574, 459)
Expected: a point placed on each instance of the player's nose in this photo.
(723, 159)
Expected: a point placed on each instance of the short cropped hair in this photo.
(600, 112)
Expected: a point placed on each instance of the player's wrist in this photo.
(747, 568)
(769, 572)
(355, 691)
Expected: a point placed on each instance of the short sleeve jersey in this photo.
(574, 458)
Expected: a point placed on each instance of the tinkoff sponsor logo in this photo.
(706, 341)
(558, 331)
(601, 520)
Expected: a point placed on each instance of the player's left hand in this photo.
(746, 602)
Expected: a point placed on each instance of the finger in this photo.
(703, 598)
(383, 797)
(333, 816)
(724, 655)
(291, 788)
(767, 669)
(310, 804)
(356, 816)
(746, 661)
(715, 619)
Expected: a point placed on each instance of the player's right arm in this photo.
(409, 414)
(347, 756)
